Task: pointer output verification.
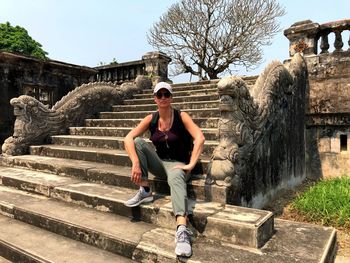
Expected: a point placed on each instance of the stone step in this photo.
(189, 99)
(180, 88)
(4, 260)
(292, 242)
(297, 246)
(111, 175)
(109, 142)
(248, 227)
(21, 242)
(195, 84)
(181, 106)
(115, 157)
(194, 113)
(201, 122)
(97, 229)
(210, 134)
(177, 93)
(250, 80)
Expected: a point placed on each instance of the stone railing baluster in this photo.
(338, 42)
(324, 44)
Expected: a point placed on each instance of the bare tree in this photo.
(205, 37)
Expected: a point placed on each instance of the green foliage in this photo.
(16, 39)
(113, 62)
(327, 202)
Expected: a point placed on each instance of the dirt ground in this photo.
(280, 206)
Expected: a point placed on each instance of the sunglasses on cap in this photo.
(160, 95)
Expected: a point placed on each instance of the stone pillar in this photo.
(157, 66)
(302, 37)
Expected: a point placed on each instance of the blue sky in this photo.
(86, 32)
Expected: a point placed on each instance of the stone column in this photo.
(302, 37)
(157, 66)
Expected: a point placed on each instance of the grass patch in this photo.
(327, 202)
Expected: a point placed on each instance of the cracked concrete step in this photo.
(177, 93)
(194, 113)
(210, 134)
(188, 99)
(21, 242)
(110, 142)
(181, 106)
(237, 225)
(111, 175)
(201, 122)
(99, 155)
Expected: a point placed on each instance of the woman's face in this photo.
(163, 98)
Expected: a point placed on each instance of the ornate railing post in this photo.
(156, 64)
(302, 37)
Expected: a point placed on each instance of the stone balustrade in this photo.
(152, 64)
(312, 38)
(121, 72)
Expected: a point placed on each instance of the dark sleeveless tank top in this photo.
(171, 144)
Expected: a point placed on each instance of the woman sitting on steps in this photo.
(172, 159)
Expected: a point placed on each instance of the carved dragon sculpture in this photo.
(246, 115)
(35, 122)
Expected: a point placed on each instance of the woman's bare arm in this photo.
(130, 147)
(198, 139)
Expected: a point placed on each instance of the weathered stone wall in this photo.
(328, 95)
(328, 115)
(329, 78)
(47, 80)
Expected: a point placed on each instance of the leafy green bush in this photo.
(16, 39)
(327, 202)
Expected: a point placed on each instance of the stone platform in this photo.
(58, 210)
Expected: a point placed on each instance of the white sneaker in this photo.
(183, 242)
(140, 197)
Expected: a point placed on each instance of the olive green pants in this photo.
(176, 178)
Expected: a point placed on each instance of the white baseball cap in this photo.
(162, 85)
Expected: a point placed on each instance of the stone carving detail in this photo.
(300, 46)
(246, 117)
(35, 122)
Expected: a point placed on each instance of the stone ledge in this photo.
(293, 242)
(241, 226)
(216, 217)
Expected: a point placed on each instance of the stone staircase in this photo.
(64, 201)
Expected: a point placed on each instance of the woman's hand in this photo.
(186, 167)
(136, 173)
